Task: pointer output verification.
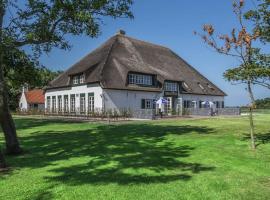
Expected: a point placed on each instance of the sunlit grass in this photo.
(171, 159)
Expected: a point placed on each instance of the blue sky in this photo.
(170, 23)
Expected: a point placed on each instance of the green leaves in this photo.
(44, 24)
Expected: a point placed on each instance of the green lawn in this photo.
(171, 159)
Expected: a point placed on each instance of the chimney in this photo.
(25, 88)
(121, 32)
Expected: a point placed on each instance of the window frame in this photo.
(170, 86)
(72, 103)
(140, 79)
(91, 102)
(60, 103)
(82, 103)
(53, 104)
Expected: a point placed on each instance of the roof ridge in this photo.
(143, 41)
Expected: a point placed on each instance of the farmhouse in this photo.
(126, 73)
(31, 100)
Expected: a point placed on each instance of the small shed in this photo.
(32, 100)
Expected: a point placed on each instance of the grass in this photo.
(171, 159)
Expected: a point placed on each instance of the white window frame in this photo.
(140, 79)
(72, 103)
(81, 79)
(148, 103)
(170, 86)
(53, 103)
(75, 80)
(91, 102)
(49, 103)
(60, 103)
(66, 105)
(82, 103)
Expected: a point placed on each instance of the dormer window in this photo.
(210, 86)
(75, 80)
(78, 79)
(170, 86)
(186, 85)
(140, 79)
(200, 85)
(82, 78)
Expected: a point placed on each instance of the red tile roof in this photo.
(35, 96)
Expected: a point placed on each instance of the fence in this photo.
(124, 114)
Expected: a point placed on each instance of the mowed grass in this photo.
(170, 159)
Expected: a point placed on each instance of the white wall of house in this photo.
(197, 98)
(126, 99)
(23, 105)
(76, 90)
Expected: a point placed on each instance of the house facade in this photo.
(32, 100)
(126, 73)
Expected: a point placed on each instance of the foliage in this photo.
(254, 67)
(263, 103)
(44, 24)
(164, 159)
(261, 19)
(21, 69)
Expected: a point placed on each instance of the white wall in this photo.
(23, 103)
(127, 99)
(77, 90)
(197, 98)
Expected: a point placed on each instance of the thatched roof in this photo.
(110, 64)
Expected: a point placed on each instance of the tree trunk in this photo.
(3, 164)
(6, 121)
(251, 124)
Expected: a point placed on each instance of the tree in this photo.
(44, 24)
(254, 66)
(17, 62)
(261, 19)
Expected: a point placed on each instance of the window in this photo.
(210, 86)
(170, 86)
(82, 78)
(217, 104)
(75, 80)
(147, 104)
(53, 104)
(91, 102)
(59, 103)
(200, 104)
(222, 104)
(140, 79)
(72, 103)
(48, 104)
(187, 104)
(82, 103)
(186, 85)
(200, 85)
(66, 103)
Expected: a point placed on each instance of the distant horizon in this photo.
(162, 24)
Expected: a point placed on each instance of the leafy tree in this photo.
(261, 19)
(254, 68)
(43, 24)
(34, 75)
(263, 103)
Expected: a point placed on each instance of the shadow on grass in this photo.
(122, 154)
(260, 138)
